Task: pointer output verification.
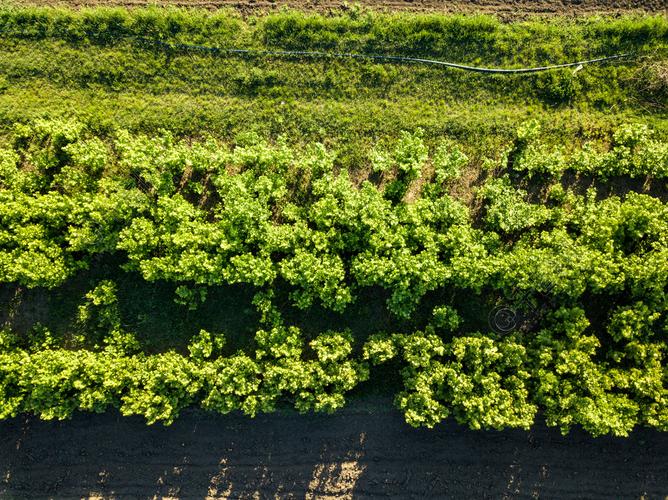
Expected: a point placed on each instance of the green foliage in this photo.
(486, 383)
(316, 276)
(40, 337)
(9, 172)
(324, 382)
(205, 345)
(91, 155)
(633, 153)
(280, 370)
(190, 297)
(55, 383)
(160, 386)
(31, 239)
(61, 63)
(446, 317)
(506, 209)
(45, 142)
(380, 348)
(629, 322)
(110, 163)
(407, 157)
(120, 343)
(233, 384)
(557, 87)
(448, 163)
(286, 223)
(405, 161)
(12, 394)
(481, 382)
(574, 387)
(100, 310)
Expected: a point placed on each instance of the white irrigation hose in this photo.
(307, 53)
(346, 55)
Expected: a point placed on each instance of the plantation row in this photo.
(201, 214)
(481, 381)
(205, 214)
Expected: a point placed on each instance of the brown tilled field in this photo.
(352, 454)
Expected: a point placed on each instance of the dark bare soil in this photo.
(504, 8)
(355, 453)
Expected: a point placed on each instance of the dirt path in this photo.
(353, 453)
(504, 8)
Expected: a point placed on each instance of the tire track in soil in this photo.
(351, 453)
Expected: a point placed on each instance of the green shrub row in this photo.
(53, 383)
(633, 153)
(199, 214)
(481, 381)
(207, 214)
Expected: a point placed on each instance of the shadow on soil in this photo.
(356, 453)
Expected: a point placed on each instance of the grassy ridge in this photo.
(475, 38)
(58, 62)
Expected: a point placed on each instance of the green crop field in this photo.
(188, 227)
